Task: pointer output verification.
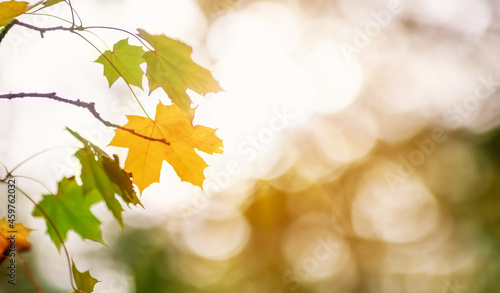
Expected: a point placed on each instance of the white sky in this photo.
(270, 57)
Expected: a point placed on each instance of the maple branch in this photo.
(30, 275)
(72, 29)
(75, 29)
(89, 106)
(47, 29)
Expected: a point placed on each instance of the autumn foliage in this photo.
(169, 137)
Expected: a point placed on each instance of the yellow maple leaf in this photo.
(10, 10)
(172, 124)
(13, 235)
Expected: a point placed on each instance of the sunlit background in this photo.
(361, 139)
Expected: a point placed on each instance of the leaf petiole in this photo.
(33, 156)
(56, 231)
(128, 84)
(122, 30)
(49, 15)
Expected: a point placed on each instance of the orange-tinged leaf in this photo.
(10, 10)
(171, 67)
(146, 157)
(15, 231)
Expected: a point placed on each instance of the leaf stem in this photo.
(100, 39)
(49, 220)
(49, 15)
(76, 13)
(31, 157)
(6, 170)
(34, 180)
(112, 65)
(121, 30)
(72, 13)
(30, 275)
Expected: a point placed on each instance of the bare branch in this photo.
(89, 106)
(46, 29)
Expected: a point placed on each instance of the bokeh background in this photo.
(362, 148)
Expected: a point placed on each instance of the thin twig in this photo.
(29, 158)
(72, 28)
(30, 275)
(49, 220)
(43, 30)
(89, 106)
(72, 13)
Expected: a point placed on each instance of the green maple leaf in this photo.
(94, 178)
(171, 67)
(84, 281)
(69, 209)
(124, 61)
(102, 174)
(51, 2)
